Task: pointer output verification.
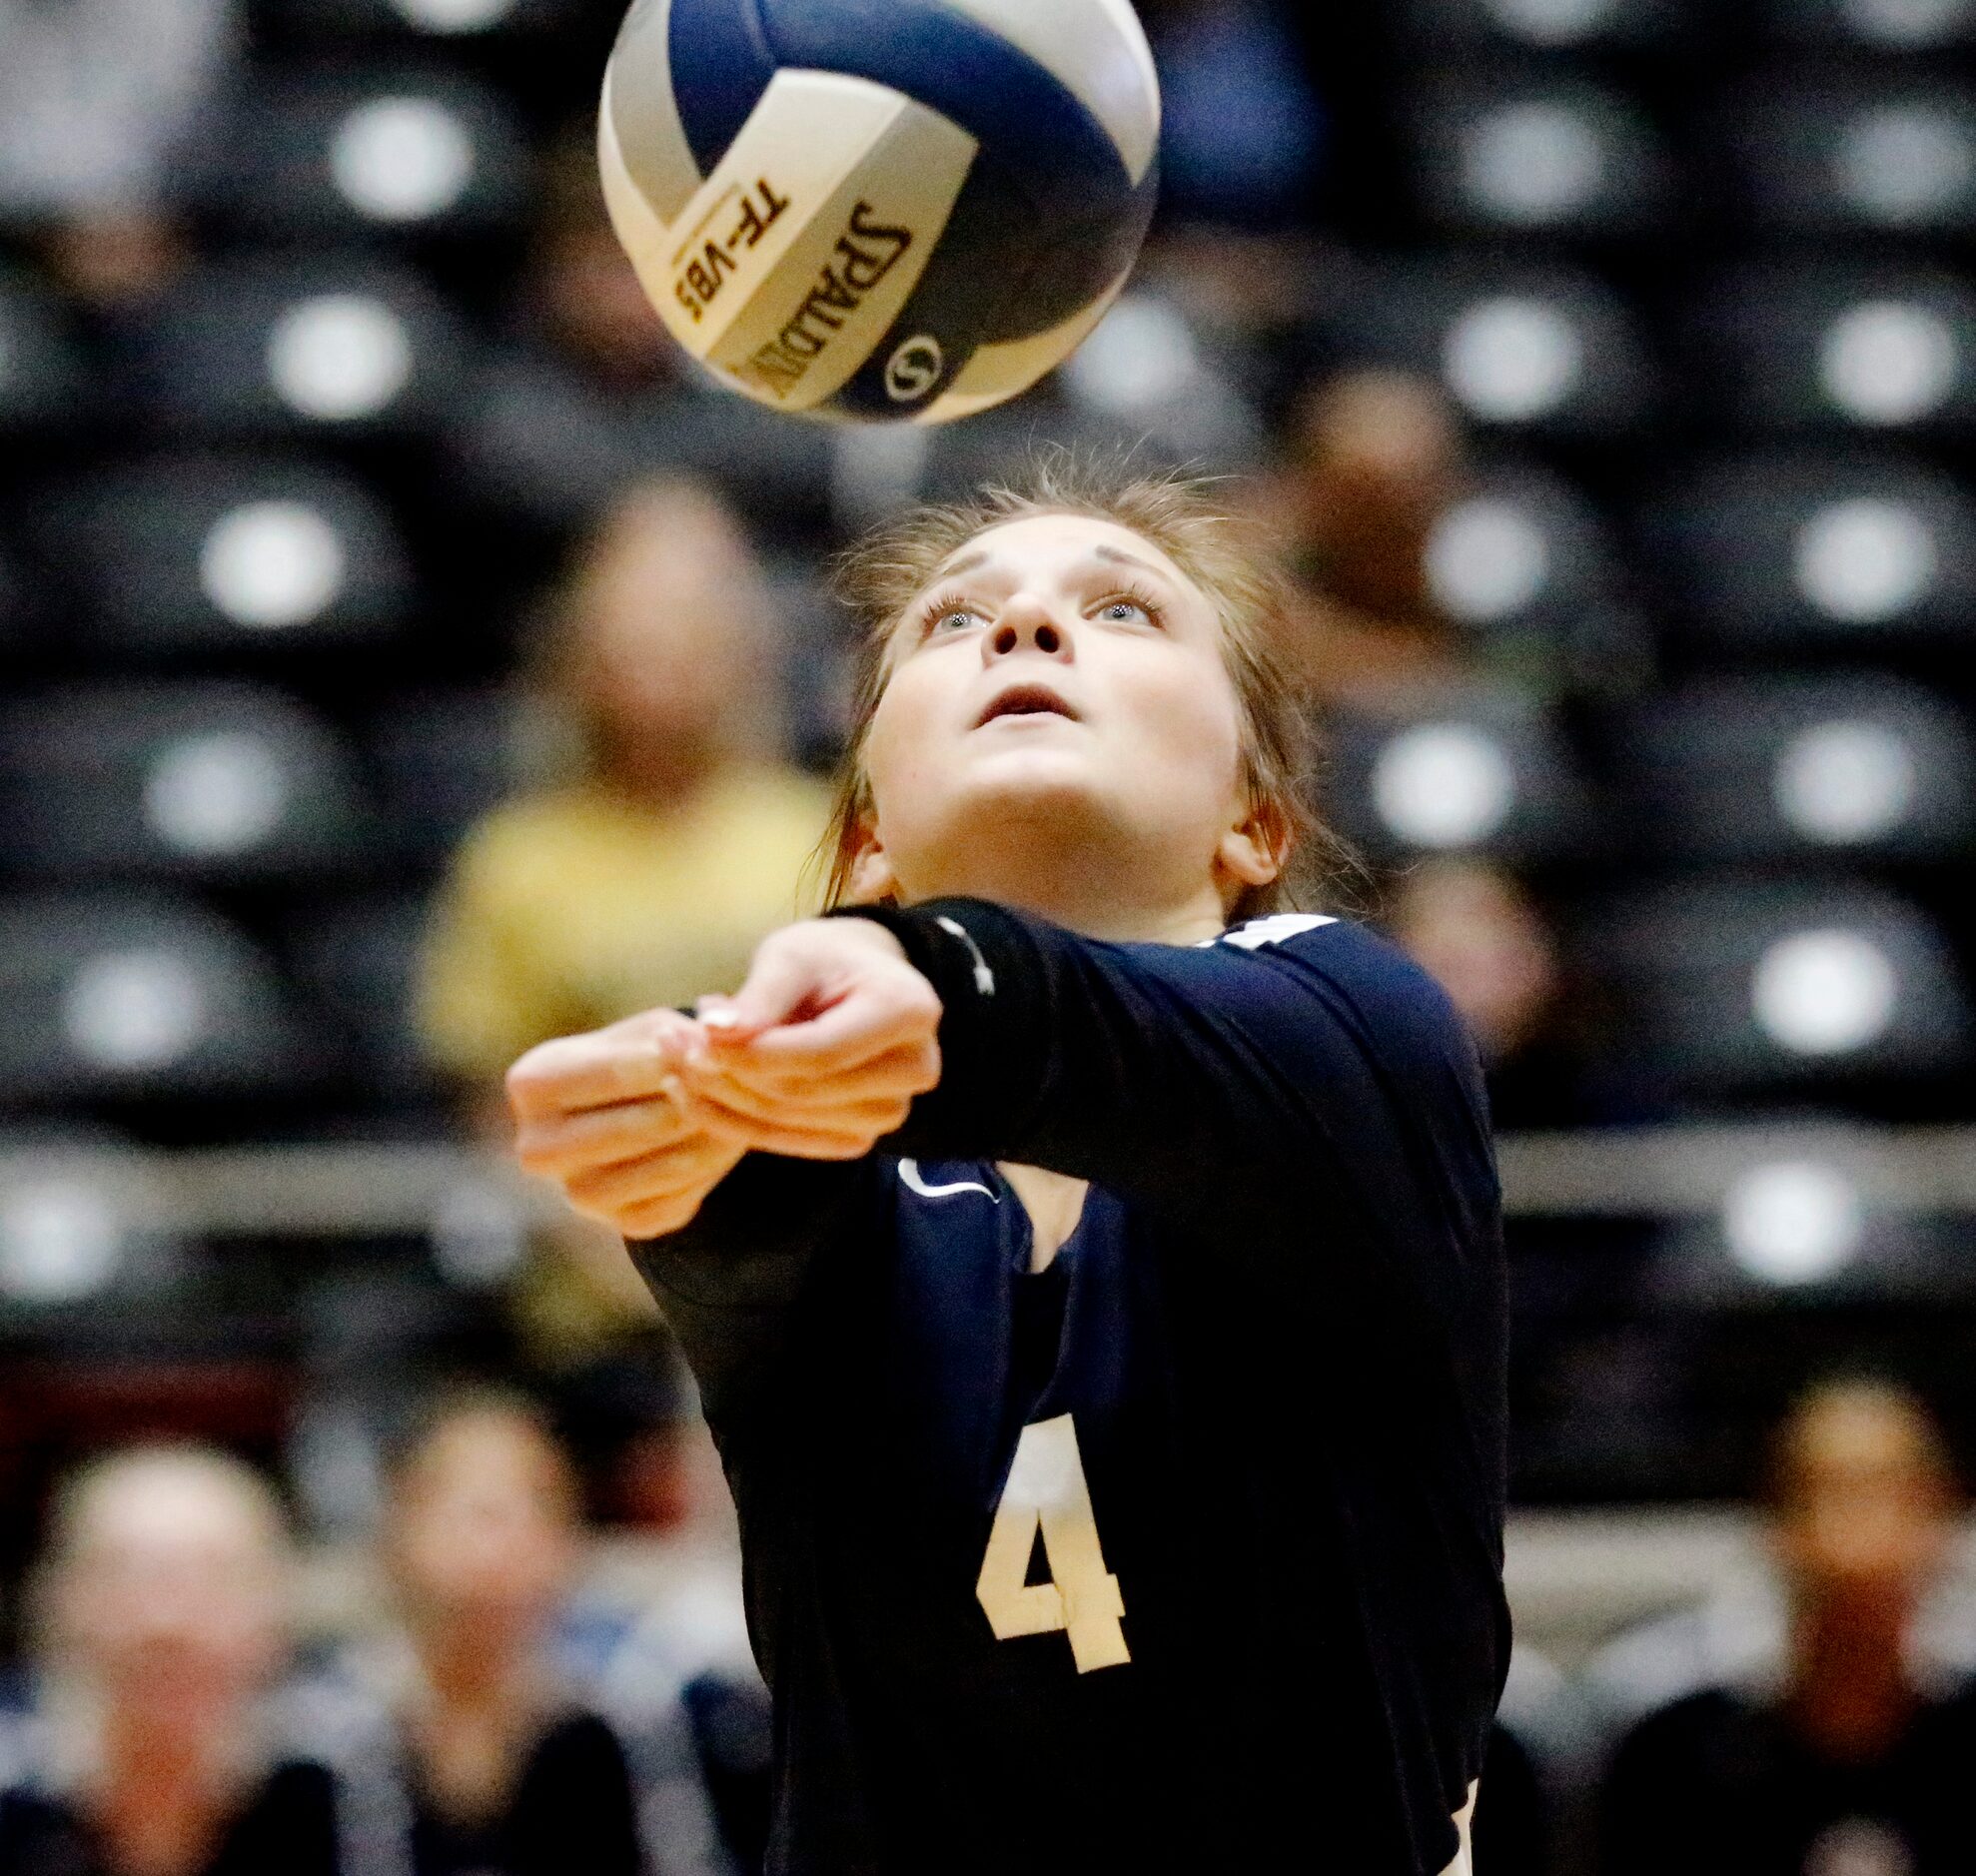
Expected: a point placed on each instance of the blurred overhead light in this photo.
(402, 159)
(1824, 992)
(1794, 1222)
(1444, 785)
(61, 1240)
(1866, 560)
(455, 16)
(1531, 163)
(217, 794)
(1845, 782)
(1907, 23)
(1888, 361)
(340, 357)
(1511, 360)
(270, 564)
(1905, 163)
(1552, 22)
(135, 1009)
(1487, 561)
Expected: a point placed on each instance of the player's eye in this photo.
(952, 616)
(1129, 608)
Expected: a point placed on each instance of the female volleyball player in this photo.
(1097, 1302)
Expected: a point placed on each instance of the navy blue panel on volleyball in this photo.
(1053, 148)
(721, 65)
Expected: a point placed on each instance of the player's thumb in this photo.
(780, 983)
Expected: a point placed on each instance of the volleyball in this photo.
(880, 210)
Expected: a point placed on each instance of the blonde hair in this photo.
(1223, 554)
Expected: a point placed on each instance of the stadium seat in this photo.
(81, 1219)
(1485, 771)
(1564, 26)
(40, 377)
(1877, 350)
(1885, 26)
(238, 557)
(213, 780)
(1801, 1227)
(442, 759)
(117, 995)
(1793, 986)
(323, 347)
(1536, 159)
(347, 156)
(1544, 350)
(1779, 554)
(1788, 770)
(537, 442)
(448, 23)
(1520, 549)
(1864, 157)
(355, 957)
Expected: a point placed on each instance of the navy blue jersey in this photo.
(1185, 1553)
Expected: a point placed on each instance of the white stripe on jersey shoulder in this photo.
(909, 1173)
(1272, 930)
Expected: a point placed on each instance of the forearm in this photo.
(730, 1280)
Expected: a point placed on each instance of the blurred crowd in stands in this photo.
(1641, 693)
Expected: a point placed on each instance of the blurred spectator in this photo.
(648, 878)
(1844, 1762)
(96, 99)
(513, 1767)
(581, 296)
(1479, 934)
(1376, 456)
(152, 1749)
(1241, 128)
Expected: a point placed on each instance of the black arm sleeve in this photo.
(731, 1281)
(1282, 1080)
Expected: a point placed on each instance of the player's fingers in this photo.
(625, 1061)
(657, 1217)
(790, 1139)
(567, 1143)
(847, 1113)
(606, 1191)
(908, 1069)
(786, 977)
(870, 1022)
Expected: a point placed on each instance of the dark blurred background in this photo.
(402, 658)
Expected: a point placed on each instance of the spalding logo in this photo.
(914, 368)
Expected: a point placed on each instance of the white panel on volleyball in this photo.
(1097, 51)
(795, 256)
(639, 121)
(997, 372)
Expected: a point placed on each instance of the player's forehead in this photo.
(1059, 547)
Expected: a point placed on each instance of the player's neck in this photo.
(1074, 886)
(1089, 901)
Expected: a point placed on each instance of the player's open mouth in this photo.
(1027, 700)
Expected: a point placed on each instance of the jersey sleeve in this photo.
(1300, 1079)
(734, 1282)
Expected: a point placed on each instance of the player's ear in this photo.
(872, 879)
(1253, 851)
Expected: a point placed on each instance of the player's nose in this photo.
(1028, 623)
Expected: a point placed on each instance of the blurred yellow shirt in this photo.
(573, 907)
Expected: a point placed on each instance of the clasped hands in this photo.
(817, 1055)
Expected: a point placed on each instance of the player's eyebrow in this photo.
(1104, 552)
(965, 564)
